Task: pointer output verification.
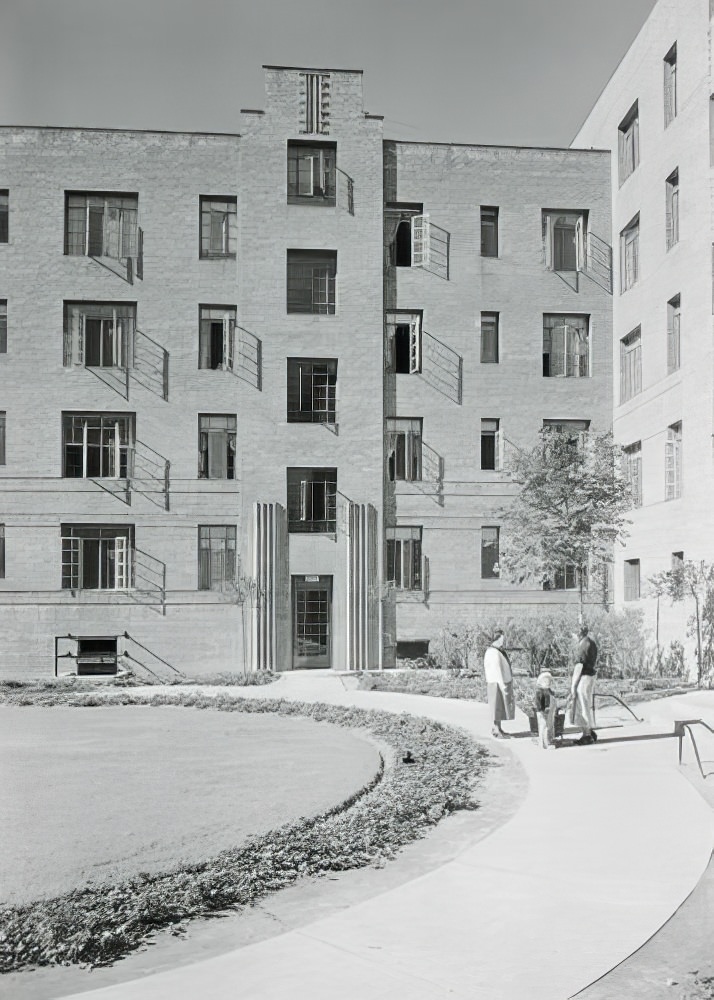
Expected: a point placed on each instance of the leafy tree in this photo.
(693, 579)
(570, 509)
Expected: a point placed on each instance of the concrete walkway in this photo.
(607, 844)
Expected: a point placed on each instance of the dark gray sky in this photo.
(490, 71)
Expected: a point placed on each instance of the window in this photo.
(630, 365)
(673, 463)
(3, 326)
(674, 357)
(97, 556)
(216, 337)
(576, 428)
(216, 446)
(312, 500)
(311, 173)
(566, 346)
(632, 579)
(490, 445)
(630, 254)
(672, 212)
(677, 562)
(216, 556)
(218, 226)
(404, 559)
(2, 551)
(628, 143)
(404, 449)
(2, 437)
(315, 102)
(670, 86)
(97, 445)
(489, 231)
(99, 334)
(564, 240)
(632, 456)
(566, 578)
(312, 385)
(489, 553)
(489, 338)
(311, 281)
(404, 343)
(4, 215)
(101, 225)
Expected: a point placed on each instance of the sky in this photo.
(511, 72)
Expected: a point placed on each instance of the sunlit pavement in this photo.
(607, 843)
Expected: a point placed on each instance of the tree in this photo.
(693, 579)
(570, 509)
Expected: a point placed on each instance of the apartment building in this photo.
(655, 115)
(258, 391)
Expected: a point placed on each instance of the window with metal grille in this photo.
(404, 558)
(101, 225)
(564, 239)
(312, 389)
(630, 254)
(566, 346)
(3, 432)
(632, 456)
(315, 103)
(4, 215)
(489, 338)
(628, 143)
(672, 209)
(489, 231)
(216, 446)
(97, 445)
(312, 500)
(404, 448)
(311, 279)
(673, 462)
(2, 551)
(630, 365)
(632, 579)
(312, 173)
(670, 85)
(490, 553)
(216, 337)
(216, 556)
(99, 334)
(218, 226)
(490, 445)
(97, 556)
(674, 343)
(3, 326)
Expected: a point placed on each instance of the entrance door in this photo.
(312, 621)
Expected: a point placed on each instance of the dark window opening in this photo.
(97, 656)
(401, 349)
(403, 244)
(489, 231)
(412, 649)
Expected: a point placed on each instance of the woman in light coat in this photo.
(499, 682)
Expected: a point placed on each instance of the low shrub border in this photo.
(98, 924)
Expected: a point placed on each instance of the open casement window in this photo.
(674, 340)
(4, 215)
(632, 579)
(564, 240)
(672, 210)
(429, 246)
(490, 537)
(99, 334)
(311, 281)
(97, 557)
(312, 500)
(218, 226)
(630, 254)
(312, 385)
(216, 556)
(566, 347)
(404, 437)
(102, 225)
(628, 143)
(673, 463)
(216, 446)
(632, 462)
(216, 349)
(670, 86)
(404, 558)
(97, 445)
(315, 103)
(630, 365)
(404, 343)
(490, 445)
(312, 173)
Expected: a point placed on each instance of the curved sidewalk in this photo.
(607, 844)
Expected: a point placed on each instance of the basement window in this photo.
(96, 656)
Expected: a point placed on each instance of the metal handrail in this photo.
(682, 725)
(608, 694)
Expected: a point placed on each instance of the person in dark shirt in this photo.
(582, 686)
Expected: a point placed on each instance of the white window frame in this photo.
(316, 98)
(218, 217)
(631, 365)
(630, 254)
(216, 542)
(404, 449)
(405, 568)
(674, 334)
(554, 219)
(110, 547)
(628, 143)
(118, 449)
(573, 358)
(673, 462)
(117, 324)
(669, 64)
(491, 427)
(672, 210)
(632, 456)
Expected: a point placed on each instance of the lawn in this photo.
(104, 793)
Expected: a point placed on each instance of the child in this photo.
(545, 710)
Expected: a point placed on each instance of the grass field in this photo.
(100, 793)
